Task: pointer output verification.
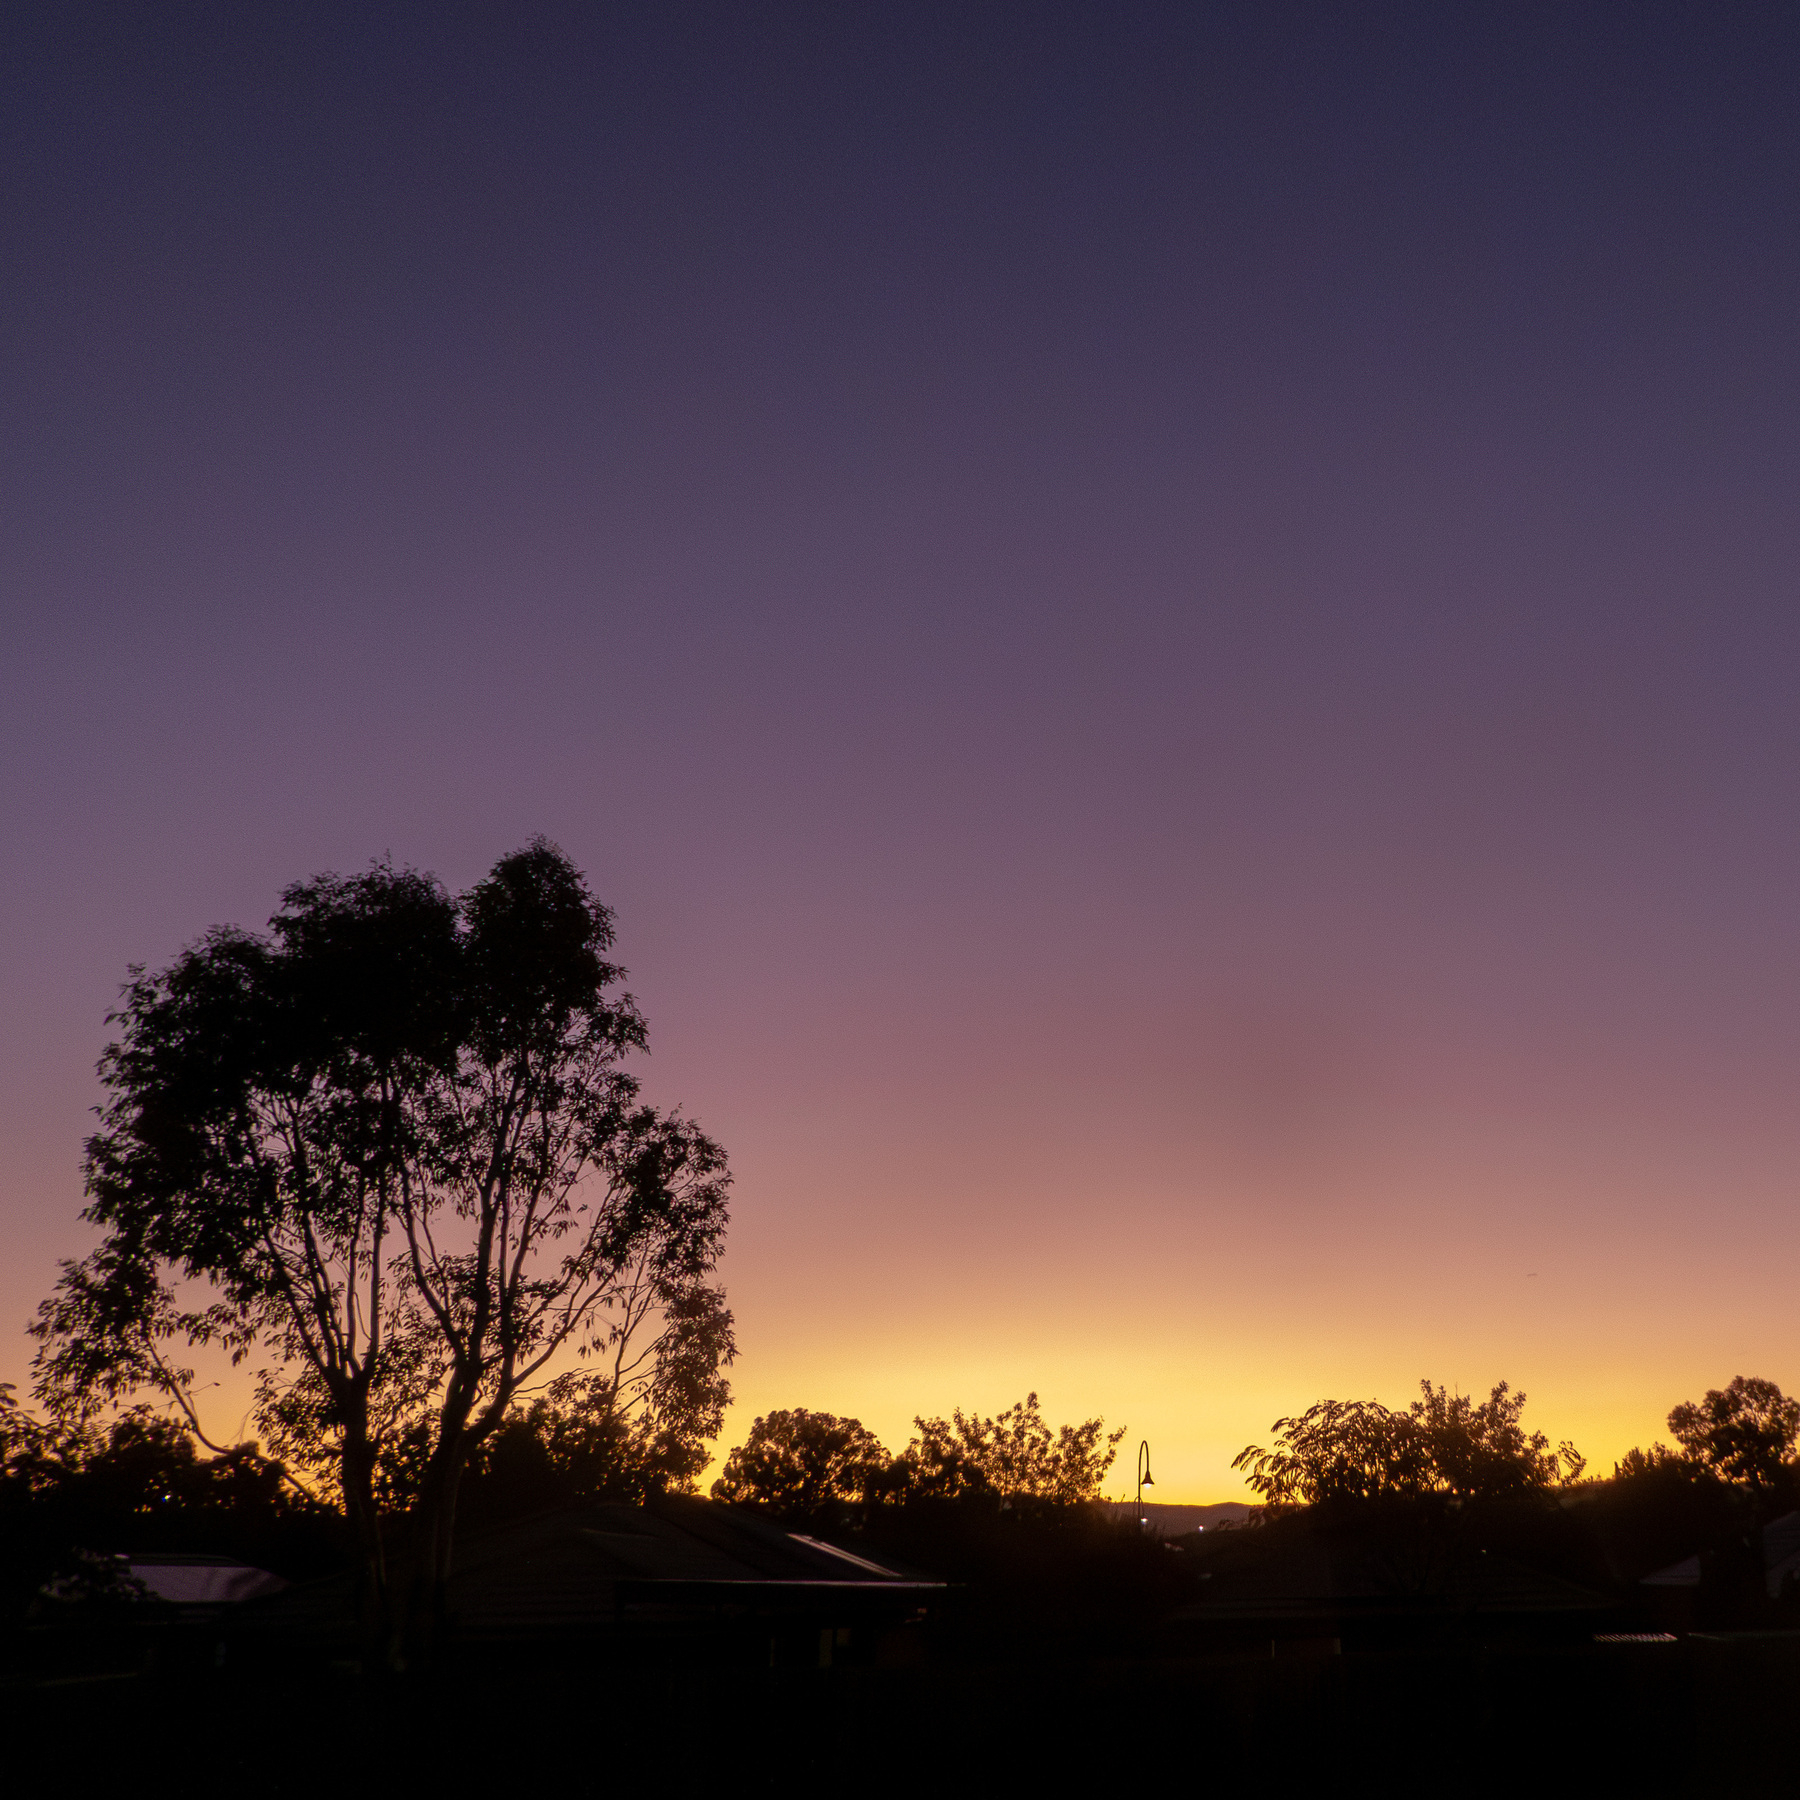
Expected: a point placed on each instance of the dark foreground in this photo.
(1706, 1714)
(681, 1646)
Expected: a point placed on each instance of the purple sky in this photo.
(1173, 630)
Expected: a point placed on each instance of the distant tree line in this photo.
(1444, 1443)
(1428, 1499)
(798, 1463)
(1451, 1447)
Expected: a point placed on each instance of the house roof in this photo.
(1781, 1560)
(190, 1580)
(600, 1564)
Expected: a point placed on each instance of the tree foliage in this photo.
(798, 1462)
(1659, 1459)
(1014, 1456)
(545, 1456)
(390, 1153)
(1447, 1444)
(1743, 1433)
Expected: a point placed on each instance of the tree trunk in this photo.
(356, 1472)
(420, 1623)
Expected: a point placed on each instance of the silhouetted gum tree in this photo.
(264, 1093)
(1444, 1444)
(390, 1152)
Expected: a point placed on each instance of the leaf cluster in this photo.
(1443, 1444)
(1013, 1456)
(1742, 1435)
(800, 1463)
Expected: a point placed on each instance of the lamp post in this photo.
(1144, 1478)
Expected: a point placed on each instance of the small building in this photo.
(691, 1574)
(183, 1579)
(1735, 1582)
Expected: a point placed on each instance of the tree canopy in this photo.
(803, 1462)
(800, 1462)
(1015, 1456)
(1444, 1443)
(1742, 1434)
(389, 1152)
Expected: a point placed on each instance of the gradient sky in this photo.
(1172, 628)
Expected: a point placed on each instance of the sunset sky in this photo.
(1173, 629)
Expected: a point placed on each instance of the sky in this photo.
(1172, 630)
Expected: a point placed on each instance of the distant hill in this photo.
(1177, 1521)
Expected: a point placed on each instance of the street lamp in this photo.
(1144, 1478)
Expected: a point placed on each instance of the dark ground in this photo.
(1059, 1658)
(1699, 1716)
